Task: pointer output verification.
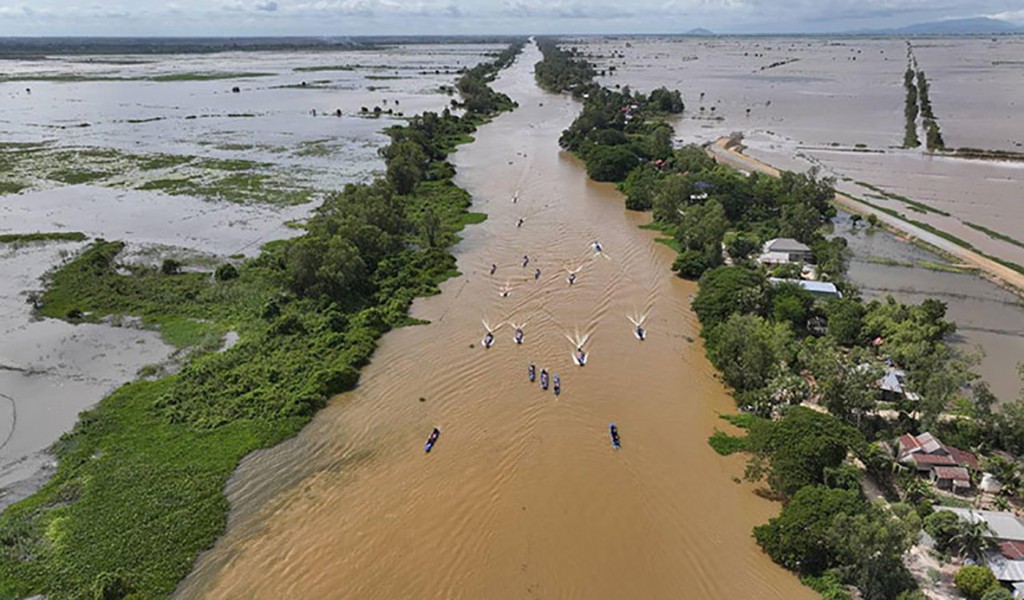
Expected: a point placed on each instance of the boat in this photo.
(544, 379)
(488, 340)
(640, 333)
(519, 336)
(613, 431)
(580, 360)
(432, 440)
(557, 385)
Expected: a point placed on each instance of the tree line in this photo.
(138, 492)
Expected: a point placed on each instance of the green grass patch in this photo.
(212, 76)
(188, 333)
(994, 234)
(78, 176)
(319, 68)
(11, 187)
(912, 204)
(726, 444)
(53, 236)
(473, 218)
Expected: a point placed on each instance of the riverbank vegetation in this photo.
(805, 368)
(910, 110)
(138, 491)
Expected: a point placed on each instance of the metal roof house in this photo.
(818, 289)
(784, 250)
(893, 385)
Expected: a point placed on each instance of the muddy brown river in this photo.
(523, 496)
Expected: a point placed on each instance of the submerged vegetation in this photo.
(138, 492)
(232, 180)
(805, 369)
(55, 236)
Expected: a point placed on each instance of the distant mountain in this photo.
(699, 31)
(978, 25)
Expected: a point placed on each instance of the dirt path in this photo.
(1000, 274)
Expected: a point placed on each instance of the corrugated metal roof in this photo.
(955, 473)
(815, 287)
(785, 245)
(1006, 570)
(925, 460)
(1002, 525)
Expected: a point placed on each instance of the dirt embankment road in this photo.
(725, 153)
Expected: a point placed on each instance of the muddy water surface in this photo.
(523, 495)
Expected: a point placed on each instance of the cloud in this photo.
(267, 6)
(536, 9)
(1013, 16)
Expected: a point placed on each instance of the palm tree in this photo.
(970, 539)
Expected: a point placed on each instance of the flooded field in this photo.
(523, 496)
(987, 317)
(200, 157)
(838, 103)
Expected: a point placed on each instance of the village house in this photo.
(1006, 535)
(893, 386)
(821, 290)
(780, 251)
(948, 467)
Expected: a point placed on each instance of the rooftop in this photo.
(785, 245)
(954, 473)
(927, 460)
(814, 287)
(1002, 525)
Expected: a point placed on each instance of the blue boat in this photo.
(432, 440)
(614, 432)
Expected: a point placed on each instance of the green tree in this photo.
(795, 451)
(870, 546)
(748, 350)
(848, 387)
(974, 581)
(671, 194)
(430, 227)
(801, 537)
(845, 321)
(640, 187)
(406, 164)
(997, 593)
(740, 247)
(727, 290)
(610, 163)
(800, 222)
(943, 526)
(690, 264)
(791, 304)
(970, 539)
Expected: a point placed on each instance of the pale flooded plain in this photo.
(161, 152)
(523, 495)
(838, 104)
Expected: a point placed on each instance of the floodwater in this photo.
(825, 96)
(988, 318)
(51, 370)
(838, 103)
(523, 495)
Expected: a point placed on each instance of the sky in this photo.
(427, 17)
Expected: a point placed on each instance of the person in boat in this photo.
(615, 435)
(526, 260)
(597, 246)
(640, 333)
(532, 371)
(581, 356)
(536, 274)
(557, 383)
(488, 339)
(544, 378)
(519, 223)
(504, 293)
(572, 278)
(494, 268)
(519, 335)
(515, 198)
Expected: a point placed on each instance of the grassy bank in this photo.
(138, 492)
(54, 236)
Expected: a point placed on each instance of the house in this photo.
(954, 479)
(893, 386)
(784, 250)
(948, 467)
(1006, 533)
(818, 289)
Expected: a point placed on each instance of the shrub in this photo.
(974, 581)
(690, 264)
(997, 593)
(170, 266)
(226, 272)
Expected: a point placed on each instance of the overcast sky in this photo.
(418, 17)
